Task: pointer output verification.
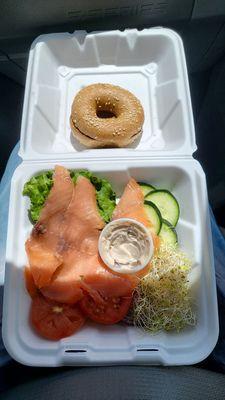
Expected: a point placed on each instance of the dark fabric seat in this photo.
(126, 383)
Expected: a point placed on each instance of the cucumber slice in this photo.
(168, 233)
(166, 203)
(154, 216)
(146, 188)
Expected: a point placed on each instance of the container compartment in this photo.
(118, 344)
(149, 63)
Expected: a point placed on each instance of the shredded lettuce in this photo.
(39, 186)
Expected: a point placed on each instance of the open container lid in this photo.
(150, 63)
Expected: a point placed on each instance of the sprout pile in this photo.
(162, 299)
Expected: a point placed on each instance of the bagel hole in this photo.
(105, 114)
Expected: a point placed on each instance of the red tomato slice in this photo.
(54, 320)
(110, 312)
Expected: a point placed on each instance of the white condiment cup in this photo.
(121, 268)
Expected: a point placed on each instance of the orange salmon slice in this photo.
(41, 247)
(131, 205)
(64, 259)
(82, 268)
(87, 273)
(29, 282)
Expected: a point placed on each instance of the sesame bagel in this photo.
(105, 115)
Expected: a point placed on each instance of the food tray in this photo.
(171, 167)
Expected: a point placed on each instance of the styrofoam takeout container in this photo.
(151, 64)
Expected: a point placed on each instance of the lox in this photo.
(63, 248)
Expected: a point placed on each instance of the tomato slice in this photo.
(110, 312)
(54, 320)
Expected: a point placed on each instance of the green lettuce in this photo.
(39, 186)
(37, 189)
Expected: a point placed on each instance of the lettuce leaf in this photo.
(39, 186)
(37, 189)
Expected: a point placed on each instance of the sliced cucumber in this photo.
(154, 216)
(168, 233)
(166, 203)
(146, 188)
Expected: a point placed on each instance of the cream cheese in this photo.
(125, 245)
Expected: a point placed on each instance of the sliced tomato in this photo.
(54, 320)
(111, 311)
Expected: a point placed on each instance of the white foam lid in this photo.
(150, 63)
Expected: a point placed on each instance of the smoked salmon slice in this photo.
(78, 240)
(131, 201)
(81, 220)
(43, 261)
(60, 194)
(87, 274)
(131, 205)
(42, 246)
(29, 282)
(82, 269)
(63, 248)
(84, 204)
